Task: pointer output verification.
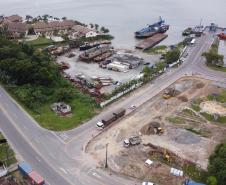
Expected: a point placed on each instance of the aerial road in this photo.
(60, 157)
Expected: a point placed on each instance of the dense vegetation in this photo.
(217, 165)
(212, 56)
(32, 78)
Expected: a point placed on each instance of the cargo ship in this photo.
(88, 45)
(222, 36)
(158, 27)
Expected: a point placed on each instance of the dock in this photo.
(151, 41)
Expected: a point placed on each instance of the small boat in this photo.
(222, 36)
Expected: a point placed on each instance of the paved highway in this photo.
(60, 157)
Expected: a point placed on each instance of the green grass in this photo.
(222, 119)
(81, 111)
(194, 131)
(189, 112)
(41, 42)
(216, 68)
(209, 117)
(156, 50)
(175, 120)
(195, 107)
(4, 151)
(83, 108)
(219, 98)
(195, 173)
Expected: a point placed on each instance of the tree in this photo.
(64, 18)
(217, 164)
(96, 27)
(213, 58)
(211, 180)
(172, 56)
(91, 25)
(147, 73)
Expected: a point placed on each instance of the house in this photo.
(16, 29)
(14, 18)
(82, 31)
(48, 28)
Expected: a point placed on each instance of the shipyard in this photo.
(112, 93)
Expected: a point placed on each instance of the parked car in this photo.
(147, 183)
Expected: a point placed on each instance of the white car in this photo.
(132, 107)
(100, 125)
(147, 183)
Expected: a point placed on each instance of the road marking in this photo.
(63, 170)
(37, 159)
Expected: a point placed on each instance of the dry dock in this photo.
(151, 41)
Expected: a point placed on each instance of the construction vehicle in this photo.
(158, 130)
(132, 141)
(170, 92)
(166, 156)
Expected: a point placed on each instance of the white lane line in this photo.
(63, 170)
(37, 159)
(59, 138)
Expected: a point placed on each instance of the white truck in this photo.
(132, 141)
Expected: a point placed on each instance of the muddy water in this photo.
(124, 17)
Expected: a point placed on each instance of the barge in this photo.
(151, 42)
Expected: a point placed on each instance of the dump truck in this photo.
(107, 120)
(119, 112)
(132, 141)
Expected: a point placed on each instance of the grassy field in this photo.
(41, 42)
(222, 69)
(156, 50)
(5, 151)
(81, 111)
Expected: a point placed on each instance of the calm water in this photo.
(124, 17)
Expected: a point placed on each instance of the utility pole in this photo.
(106, 160)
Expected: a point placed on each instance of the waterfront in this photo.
(123, 17)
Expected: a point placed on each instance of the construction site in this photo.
(157, 141)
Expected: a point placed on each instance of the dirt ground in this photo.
(188, 137)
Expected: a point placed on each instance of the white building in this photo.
(82, 31)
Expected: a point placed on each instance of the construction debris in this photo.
(61, 108)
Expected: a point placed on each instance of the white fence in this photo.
(120, 94)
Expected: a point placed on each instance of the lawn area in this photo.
(216, 68)
(81, 111)
(175, 120)
(156, 50)
(5, 151)
(41, 42)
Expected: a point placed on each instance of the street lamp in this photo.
(106, 159)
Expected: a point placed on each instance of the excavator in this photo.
(159, 131)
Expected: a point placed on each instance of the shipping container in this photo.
(24, 168)
(35, 178)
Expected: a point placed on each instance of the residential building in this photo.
(48, 28)
(14, 18)
(82, 31)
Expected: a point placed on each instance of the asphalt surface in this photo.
(60, 157)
